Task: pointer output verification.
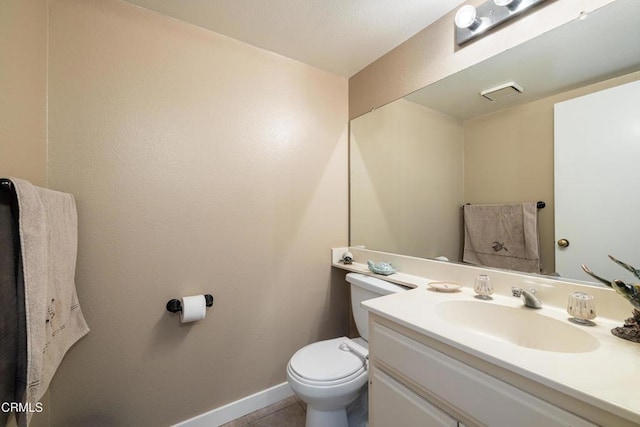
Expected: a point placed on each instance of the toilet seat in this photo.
(323, 363)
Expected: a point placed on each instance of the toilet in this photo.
(332, 374)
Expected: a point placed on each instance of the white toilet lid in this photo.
(324, 361)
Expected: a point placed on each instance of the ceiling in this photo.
(339, 36)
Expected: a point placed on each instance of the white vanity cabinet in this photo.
(412, 384)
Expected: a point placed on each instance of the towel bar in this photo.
(6, 185)
(175, 305)
(539, 205)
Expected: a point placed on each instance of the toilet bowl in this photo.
(330, 375)
(328, 379)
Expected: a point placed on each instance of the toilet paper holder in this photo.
(174, 305)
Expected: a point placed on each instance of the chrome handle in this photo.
(516, 292)
(563, 243)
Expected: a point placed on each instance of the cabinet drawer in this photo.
(479, 395)
(396, 405)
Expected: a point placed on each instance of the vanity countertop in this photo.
(606, 377)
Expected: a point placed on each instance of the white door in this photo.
(597, 182)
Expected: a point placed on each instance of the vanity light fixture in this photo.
(470, 21)
(502, 91)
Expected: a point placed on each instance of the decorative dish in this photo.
(445, 286)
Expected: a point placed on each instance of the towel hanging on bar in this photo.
(48, 238)
(503, 236)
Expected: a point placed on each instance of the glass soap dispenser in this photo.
(483, 287)
(582, 308)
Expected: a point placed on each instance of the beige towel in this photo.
(49, 239)
(503, 236)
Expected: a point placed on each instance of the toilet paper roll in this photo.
(193, 308)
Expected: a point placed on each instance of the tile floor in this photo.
(289, 412)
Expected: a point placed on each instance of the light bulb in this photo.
(466, 17)
(512, 5)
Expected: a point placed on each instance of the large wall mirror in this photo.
(416, 161)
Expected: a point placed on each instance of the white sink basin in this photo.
(518, 325)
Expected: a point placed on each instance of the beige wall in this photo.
(23, 87)
(23, 109)
(402, 157)
(432, 54)
(509, 157)
(199, 164)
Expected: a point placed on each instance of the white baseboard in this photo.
(241, 407)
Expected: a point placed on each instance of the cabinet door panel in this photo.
(396, 405)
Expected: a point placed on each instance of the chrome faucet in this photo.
(528, 297)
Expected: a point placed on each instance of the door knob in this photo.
(563, 243)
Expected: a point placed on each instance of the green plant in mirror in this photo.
(631, 292)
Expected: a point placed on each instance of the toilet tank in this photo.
(364, 288)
